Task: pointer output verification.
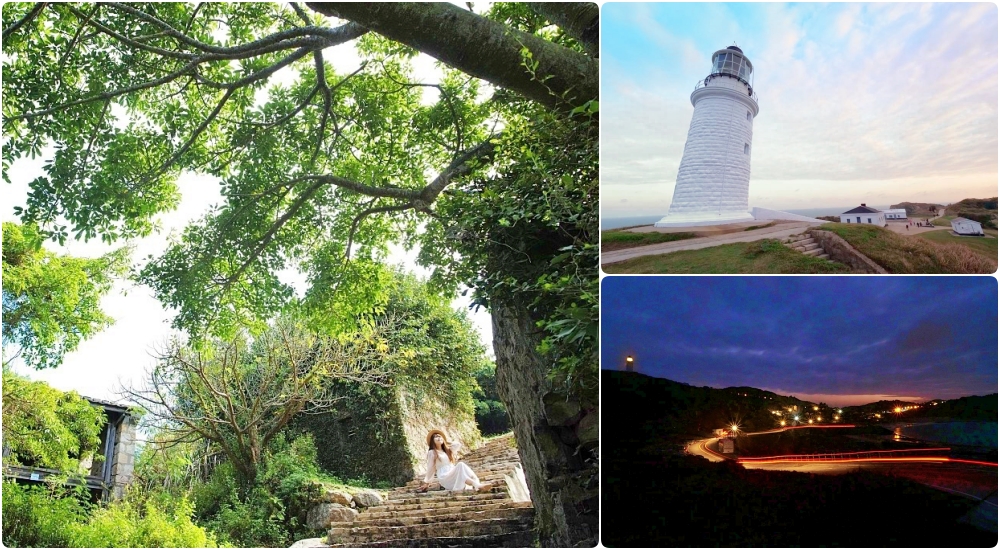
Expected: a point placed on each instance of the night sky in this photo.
(842, 340)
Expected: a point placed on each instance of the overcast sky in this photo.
(873, 103)
(121, 354)
(842, 340)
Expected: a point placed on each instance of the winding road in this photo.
(971, 479)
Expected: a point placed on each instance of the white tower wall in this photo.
(713, 180)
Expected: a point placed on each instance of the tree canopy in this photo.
(51, 302)
(324, 159)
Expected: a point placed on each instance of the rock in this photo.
(338, 497)
(368, 498)
(560, 411)
(587, 430)
(321, 515)
(310, 543)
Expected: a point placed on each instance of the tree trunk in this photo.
(479, 47)
(555, 436)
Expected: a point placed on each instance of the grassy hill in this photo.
(677, 411)
(919, 209)
(902, 254)
(983, 211)
(974, 407)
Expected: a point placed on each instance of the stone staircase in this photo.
(453, 519)
(807, 245)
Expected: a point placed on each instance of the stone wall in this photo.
(842, 251)
(421, 414)
(381, 434)
(123, 457)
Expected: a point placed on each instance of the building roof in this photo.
(895, 210)
(963, 220)
(107, 405)
(863, 210)
(735, 47)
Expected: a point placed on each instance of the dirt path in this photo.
(776, 232)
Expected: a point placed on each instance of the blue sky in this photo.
(842, 340)
(873, 103)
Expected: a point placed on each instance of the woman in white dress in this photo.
(441, 464)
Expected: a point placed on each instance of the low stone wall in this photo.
(842, 251)
(420, 414)
(381, 434)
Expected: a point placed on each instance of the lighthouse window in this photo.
(748, 115)
(746, 148)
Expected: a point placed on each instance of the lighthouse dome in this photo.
(732, 61)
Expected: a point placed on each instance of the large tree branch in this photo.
(581, 20)
(28, 18)
(480, 47)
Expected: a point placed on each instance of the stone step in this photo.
(811, 246)
(448, 516)
(436, 504)
(417, 512)
(466, 528)
(824, 256)
(448, 496)
(484, 477)
(516, 539)
(813, 252)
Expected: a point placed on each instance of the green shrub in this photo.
(43, 517)
(271, 512)
(36, 516)
(129, 523)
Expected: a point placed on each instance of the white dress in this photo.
(451, 476)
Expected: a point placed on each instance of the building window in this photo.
(869, 220)
(746, 148)
(748, 115)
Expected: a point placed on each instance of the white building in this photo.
(864, 214)
(713, 180)
(895, 214)
(964, 226)
(726, 445)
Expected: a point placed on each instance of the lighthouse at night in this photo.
(713, 180)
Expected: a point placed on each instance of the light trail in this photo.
(820, 455)
(846, 460)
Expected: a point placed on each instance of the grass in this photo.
(983, 245)
(901, 254)
(943, 221)
(764, 256)
(616, 239)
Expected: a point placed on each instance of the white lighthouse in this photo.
(713, 181)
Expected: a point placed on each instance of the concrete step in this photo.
(813, 252)
(824, 256)
(466, 528)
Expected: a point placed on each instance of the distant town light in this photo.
(810, 420)
(796, 419)
(819, 419)
(839, 411)
(815, 408)
(782, 422)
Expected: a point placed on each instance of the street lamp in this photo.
(629, 364)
